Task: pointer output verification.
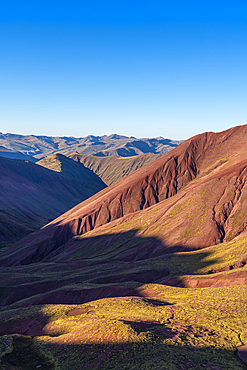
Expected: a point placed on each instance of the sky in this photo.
(136, 68)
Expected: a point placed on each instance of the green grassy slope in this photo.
(112, 168)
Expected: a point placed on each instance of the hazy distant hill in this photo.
(112, 168)
(43, 146)
(8, 153)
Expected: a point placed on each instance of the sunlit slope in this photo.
(150, 324)
(150, 273)
(112, 168)
(163, 328)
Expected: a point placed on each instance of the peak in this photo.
(114, 136)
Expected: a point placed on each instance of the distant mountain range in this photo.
(42, 146)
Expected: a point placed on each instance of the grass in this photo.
(162, 327)
(176, 329)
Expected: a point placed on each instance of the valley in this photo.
(149, 271)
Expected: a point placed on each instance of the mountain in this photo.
(149, 273)
(84, 179)
(7, 153)
(112, 168)
(31, 195)
(207, 159)
(172, 193)
(43, 146)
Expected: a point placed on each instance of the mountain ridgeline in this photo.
(39, 147)
(175, 189)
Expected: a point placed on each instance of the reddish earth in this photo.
(242, 353)
(235, 278)
(189, 199)
(80, 311)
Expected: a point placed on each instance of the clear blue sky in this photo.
(140, 68)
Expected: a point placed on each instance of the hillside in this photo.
(166, 202)
(112, 168)
(207, 159)
(83, 178)
(31, 195)
(7, 153)
(150, 272)
(43, 146)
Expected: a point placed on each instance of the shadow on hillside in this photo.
(154, 354)
(86, 269)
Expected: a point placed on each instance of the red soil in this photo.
(231, 279)
(242, 353)
(79, 311)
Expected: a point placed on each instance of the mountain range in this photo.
(42, 146)
(149, 272)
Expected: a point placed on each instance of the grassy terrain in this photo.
(112, 168)
(83, 178)
(174, 328)
(156, 327)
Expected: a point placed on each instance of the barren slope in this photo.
(12, 154)
(30, 195)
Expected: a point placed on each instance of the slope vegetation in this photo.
(112, 168)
